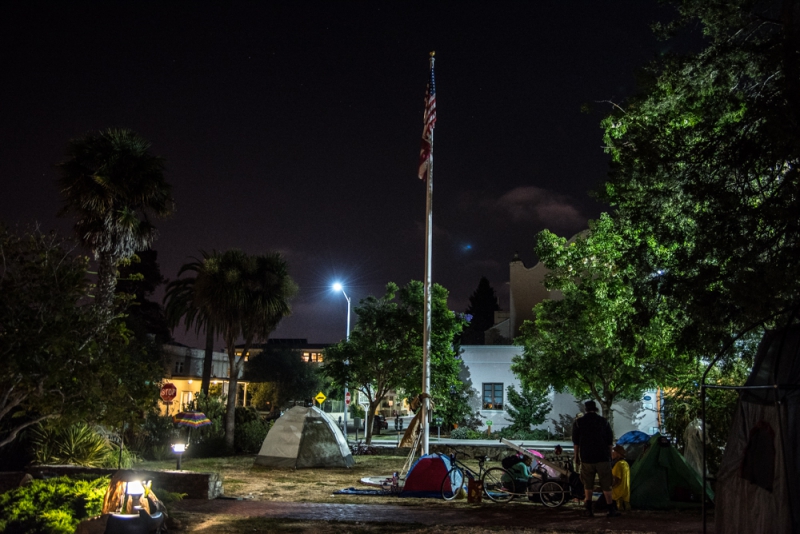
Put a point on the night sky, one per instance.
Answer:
(296, 126)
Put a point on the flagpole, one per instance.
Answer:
(426, 333)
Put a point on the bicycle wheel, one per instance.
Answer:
(498, 484)
(452, 483)
(552, 494)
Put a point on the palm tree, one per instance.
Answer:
(242, 296)
(180, 306)
(113, 185)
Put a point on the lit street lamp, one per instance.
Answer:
(338, 287)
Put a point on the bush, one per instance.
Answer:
(466, 433)
(539, 434)
(251, 429)
(155, 437)
(77, 444)
(53, 506)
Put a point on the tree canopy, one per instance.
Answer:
(705, 163)
(114, 186)
(61, 358)
(244, 296)
(385, 350)
(602, 340)
(482, 305)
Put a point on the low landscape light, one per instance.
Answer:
(179, 449)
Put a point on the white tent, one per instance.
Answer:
(305, 437)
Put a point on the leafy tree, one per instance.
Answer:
(180, 306)
(705, 163)
(244, 297)
(528, 407)
(139, 278)
(46, 334)
(379, 352)
(682, 402)
(61, 359)
(482, 305)
(285, 375)
(113, 185)
(449, 393)
(598, 342)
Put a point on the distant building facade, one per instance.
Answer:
(184, 369)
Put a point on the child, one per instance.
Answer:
(621, 488)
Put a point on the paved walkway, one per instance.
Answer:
(488, 515)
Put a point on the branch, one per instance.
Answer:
(13, 435)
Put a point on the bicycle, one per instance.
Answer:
(456, 481)
(359, 449)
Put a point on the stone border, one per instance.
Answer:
(194, 485)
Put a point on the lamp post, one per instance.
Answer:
(338, 287)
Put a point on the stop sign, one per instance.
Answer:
(347, 398)
(168, 392)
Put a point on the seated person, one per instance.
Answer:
(521, 474)
(621, 487)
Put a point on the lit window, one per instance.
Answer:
(493, 396)
(306, 356)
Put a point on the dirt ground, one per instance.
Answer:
(259, 499)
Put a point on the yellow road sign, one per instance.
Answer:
(320, 398)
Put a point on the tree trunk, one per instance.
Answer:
(106, 284)
(230, 405)
(208, 360)
(608, 413)
(373, 405)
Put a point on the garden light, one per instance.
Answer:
(179, 449)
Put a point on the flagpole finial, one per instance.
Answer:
(433, 53)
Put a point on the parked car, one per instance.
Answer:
(379, 422)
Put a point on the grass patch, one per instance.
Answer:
(243, 479)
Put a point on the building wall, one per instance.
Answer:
(491, 364)
(526, 291)
(185, 371)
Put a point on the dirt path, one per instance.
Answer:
(564, 519)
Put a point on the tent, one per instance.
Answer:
(634, 443)
(425, 477)
(661, 478)
(305, 437)
(757, 479)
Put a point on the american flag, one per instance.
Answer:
(429, 121)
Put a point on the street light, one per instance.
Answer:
(338, 287)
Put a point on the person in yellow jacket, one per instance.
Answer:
(621, 487)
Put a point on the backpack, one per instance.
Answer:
(510, 461)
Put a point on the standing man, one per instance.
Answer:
(592, 437)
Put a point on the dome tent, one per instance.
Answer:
(662, 479)
(305, 437)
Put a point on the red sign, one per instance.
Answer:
(347, 398)
(168, 392)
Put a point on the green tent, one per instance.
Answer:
(661, 478)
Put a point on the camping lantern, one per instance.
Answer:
(133, 489)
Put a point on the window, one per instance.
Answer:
(178, 368)
(306, 356)
(493, 396)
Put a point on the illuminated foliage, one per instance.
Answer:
(600, 341)
(705, 164)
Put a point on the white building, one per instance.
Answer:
(488, 368)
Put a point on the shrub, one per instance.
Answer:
(466, 433)
(77, 444)
(251, 429)
(155, 437)
(53, 506)
(539, 434)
